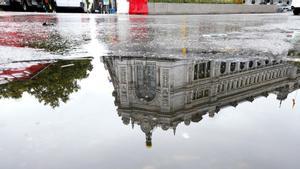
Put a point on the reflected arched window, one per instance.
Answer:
(199, 94)
(242, 65)
(267, 62)
(145, 81)
(258, 63)
(232, 66)
(250, 64)
(206, 93)
(195, 71)
(223, 67)
(194, 95)
(201, 71)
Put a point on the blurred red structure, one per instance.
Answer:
(21, 73)
(138, 7)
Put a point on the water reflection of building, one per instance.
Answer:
(163, 92)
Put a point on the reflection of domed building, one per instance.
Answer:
(163, 92)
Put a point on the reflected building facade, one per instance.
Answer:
(163, 92)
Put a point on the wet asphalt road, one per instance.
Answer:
(31, 36)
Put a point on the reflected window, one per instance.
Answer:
(201, 71)
(208, 69)
(242, 65)
(267, 62)
(206, 93)
(223, 67)
(250, 64)
(145, 81)
(232, 66)
(195, 71)
(198, 94)
(258, 63)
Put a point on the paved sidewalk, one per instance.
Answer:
(194, 9)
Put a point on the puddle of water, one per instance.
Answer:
(91, 112)
(221, 107)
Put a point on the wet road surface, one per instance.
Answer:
(150, 92)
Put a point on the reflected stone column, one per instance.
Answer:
(165, 90)
(227, 67)
(246, 66)
(255, 64)
(215, 69)
(237, 68)
(123, 90)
